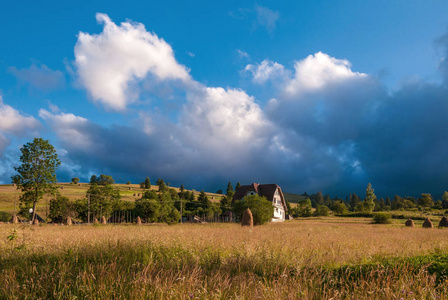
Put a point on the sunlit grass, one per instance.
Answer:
(318, 258)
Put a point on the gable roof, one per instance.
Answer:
(266, 190)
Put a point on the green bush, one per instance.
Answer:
(262, 209)
(5, 216)
(382, 218)
(321, 210)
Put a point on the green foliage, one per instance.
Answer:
(37, 173)
(5, 216)
(103, 201)
(319, 199)
(369, 200)
(230, 191)
(262, 209)
(321, 210)
(382, 218)
(339, 207)
(147, 183)
(219, 192)
(75, 180)
(425, 200)
(148, 209)
(128, 182)
(61, 208)
(93, 179)
(161, 184)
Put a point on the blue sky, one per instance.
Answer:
(312, 95)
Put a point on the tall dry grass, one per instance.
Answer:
(293, 260)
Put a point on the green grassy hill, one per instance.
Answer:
(9, 195)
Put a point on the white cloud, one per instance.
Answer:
(108, 63)
(69, 128)
(319, 70)
(225, 120)
(265, 71)
(11, 121)
(242, 54)
(266, 17)
(40, 77)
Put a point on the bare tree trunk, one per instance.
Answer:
(34, 212)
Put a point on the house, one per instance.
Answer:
(272, 192)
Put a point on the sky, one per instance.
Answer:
(311, 95)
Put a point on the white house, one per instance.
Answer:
(272, 192)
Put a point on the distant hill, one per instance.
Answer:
(293, 198)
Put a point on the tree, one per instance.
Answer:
(75, 180)
(61, 208)
(37, 174)
(161, 184)
(369, 202)
(354, 200)
(219, 192)
(230, 191)
(339, 207)
(238, 185)
(262, 209)
(105, 180)
(93, 179)
(319, 199)
(321, 210)
(147, 183)
(425, 200)
(128, 182)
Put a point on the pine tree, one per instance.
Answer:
(320, 198)
(230, 190)
(369, 201)
(147, 183)
(238, 185)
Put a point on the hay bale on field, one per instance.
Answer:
(15, 220)
(36, 221)
(95, 221)
(134, 194)
(138, 195)
(247, 219)
(427, 223)
(139, 221)
(443, 222)
(129, 187)
(69, 221)
(409, 223)
(103, 220)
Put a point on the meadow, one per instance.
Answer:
(316, 258)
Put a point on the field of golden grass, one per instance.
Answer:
(302, 259)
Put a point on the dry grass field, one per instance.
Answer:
(303, 259)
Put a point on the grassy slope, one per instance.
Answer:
(9, 193)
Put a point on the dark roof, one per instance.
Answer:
(266, 190)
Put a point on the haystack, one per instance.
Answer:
(36, 221)
(69, 221)
(427, 223)
(409, 223)
(247, 219)
(103, 220)
(443, 222)
(95, 221)
(139, 221)
(15, 220)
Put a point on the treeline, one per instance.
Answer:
(164, 204)
(370, 203)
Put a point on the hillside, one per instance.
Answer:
(9, 193)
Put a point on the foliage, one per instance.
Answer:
(339, 207)
(425, 200)
(229, 190)
(61, 208)
(381, 218)
(147, 183)
(5, 216)
(161, 184)
(128, 182)
(262, 209)
(103, 201)
(75, 180)
(321, 210)
(369, 201)
(37, 173)
(148, 209)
